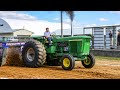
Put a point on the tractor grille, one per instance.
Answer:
(75, 46)
(80, 47)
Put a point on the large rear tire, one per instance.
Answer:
(33, 54)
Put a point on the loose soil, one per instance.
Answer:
(103, 69)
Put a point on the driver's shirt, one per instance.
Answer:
(47, 34)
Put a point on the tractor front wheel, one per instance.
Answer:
(68, 62)
(89, 62)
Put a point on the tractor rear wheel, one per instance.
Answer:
(33, 54)
(67, 62)
(89, 62)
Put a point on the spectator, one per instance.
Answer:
(110, 36)
(118, 39)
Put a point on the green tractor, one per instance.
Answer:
(64, 51)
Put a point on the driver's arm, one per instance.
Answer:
(45, 35)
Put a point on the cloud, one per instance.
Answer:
(16, 15)
(94, 25)
(57, 19)
(103, 19)
(90, 25)
(38, 26)
(117, 12)
(18, 20)
(66, 21)
(75, 23)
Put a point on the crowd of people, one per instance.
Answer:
(111, 38)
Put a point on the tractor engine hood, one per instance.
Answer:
(74, 38)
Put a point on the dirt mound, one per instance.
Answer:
(13, 57)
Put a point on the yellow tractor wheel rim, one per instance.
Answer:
(66, 62)
(87, 61)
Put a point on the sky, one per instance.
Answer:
(37, 21)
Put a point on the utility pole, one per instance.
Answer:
(61, 24)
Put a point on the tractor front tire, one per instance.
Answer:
(67, 62)
(89, 62)
(33, 54)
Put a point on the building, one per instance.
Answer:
(22, 33)
(5, 29)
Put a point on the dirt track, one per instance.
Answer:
(103, 69)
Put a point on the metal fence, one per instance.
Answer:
(100, 37)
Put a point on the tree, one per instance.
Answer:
(71, 15)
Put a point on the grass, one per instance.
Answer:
(108, 58)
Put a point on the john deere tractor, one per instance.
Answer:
(64, 51)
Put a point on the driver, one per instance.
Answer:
(47, 35)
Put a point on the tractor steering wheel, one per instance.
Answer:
(53, 35)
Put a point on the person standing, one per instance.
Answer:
(47, 35)
(118, 39)
(110, 36)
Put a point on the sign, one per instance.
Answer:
(12, 44)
